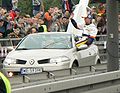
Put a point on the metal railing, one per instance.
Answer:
(9, 42)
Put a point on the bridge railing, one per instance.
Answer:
(5, 44)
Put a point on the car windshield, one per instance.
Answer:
(46, 41)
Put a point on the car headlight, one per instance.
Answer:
(9, 61)
(59, 59)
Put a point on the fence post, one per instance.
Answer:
(112, 35)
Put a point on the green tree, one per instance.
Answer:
(51, 3)
(25, 6)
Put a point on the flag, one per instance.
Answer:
(79, 12)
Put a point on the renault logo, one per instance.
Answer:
(32, 61)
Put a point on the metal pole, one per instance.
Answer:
(112, 36)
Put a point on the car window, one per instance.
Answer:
(50, 41)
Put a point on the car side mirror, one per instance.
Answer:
(81, 47)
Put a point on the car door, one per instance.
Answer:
(87, 57)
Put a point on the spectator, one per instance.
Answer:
(3, 11)
(15, 33)
(67, 6)
(28, 22)
(14, 4)
(56, 25)
(56, 15)
(94, 14)
(48, 18)
(60, 25)
(101, 9)
(38, 6)
(38, 15)
(35, 22)
(65, 23)
(21, 27)
(42, 27)
(32, 30)
(14, 13)
(67, 14)
(101, 25)
(10, 23)
(2, 28)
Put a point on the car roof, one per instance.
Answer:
(51, 33)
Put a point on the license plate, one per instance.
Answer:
(30, 70)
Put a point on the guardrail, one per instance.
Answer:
(4, 44)
(97, 83)
(9, 42)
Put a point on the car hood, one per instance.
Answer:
(37, 54)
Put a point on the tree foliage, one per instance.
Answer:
(25, 6)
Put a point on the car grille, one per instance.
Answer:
(44, 61)
(18, 61)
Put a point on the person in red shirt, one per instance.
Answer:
(14, 13)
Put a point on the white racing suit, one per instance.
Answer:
(89, 34)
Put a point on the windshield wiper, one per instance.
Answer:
(22, 49)
(45, 47)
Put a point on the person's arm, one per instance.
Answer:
(42, 7)
(74, 23)
(1, 35)
(47, 16)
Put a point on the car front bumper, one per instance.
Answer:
(46, 67)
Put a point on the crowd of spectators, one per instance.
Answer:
(15, 25)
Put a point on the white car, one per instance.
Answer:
(49, 51)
